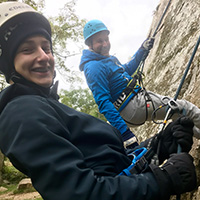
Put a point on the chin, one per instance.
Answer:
(106, 55)
(45, 85)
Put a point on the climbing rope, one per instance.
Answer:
(141, 65)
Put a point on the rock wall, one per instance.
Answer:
(167, 61)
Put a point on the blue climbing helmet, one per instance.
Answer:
(92, 27)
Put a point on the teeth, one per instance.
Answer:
(40, 70)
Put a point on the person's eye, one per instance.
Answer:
(26, 50)
(47, 49)
(100, 42)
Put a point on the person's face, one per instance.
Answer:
(35, 62)
(100, 43)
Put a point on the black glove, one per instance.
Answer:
(148, 44)
(177, 132)
(130, 140)
(177, 175)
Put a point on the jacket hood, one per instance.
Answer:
(89, 55)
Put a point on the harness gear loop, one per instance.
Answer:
(149, 108)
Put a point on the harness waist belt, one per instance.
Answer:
(128, 93)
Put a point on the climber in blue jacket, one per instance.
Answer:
(122, 101)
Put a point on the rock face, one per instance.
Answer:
(167, 61)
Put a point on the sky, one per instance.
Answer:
(128, 21)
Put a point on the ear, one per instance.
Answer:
(89, 42)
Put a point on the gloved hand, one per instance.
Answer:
(177, 132)
(148, 44)
(177, 175)
(130, 140)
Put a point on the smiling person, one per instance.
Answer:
(119, 97)
(34, 60)
(67, 154)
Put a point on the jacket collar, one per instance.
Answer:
(22, 87)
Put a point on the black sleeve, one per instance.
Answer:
(38, 144)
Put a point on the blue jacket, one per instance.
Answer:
(67, 154)
(107, 78)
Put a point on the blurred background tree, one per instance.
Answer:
(81, 100)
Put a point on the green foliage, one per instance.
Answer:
(10, 187)
(38, 4)
(11, 174)
(1, 1)
(81, 100)
(66, 28)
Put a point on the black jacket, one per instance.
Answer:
(67, 154)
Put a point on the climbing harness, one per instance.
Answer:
(170, 103)
(130, 91)
(140, 161)
(138, 77)
(149, 108)
(136, 84)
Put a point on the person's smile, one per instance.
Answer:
(35, 62)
